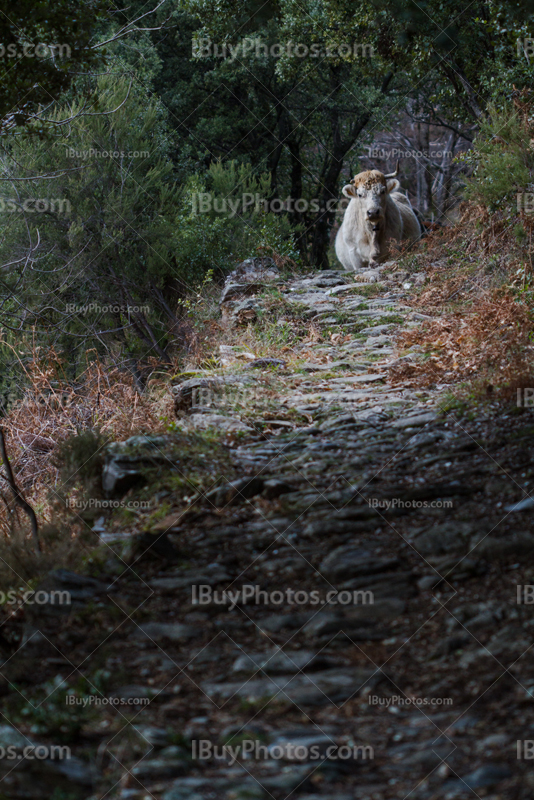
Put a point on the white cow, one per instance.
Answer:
(376, 215)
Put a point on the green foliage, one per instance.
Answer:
(80, 458)
(118, 235)
(503, 160)
(43, 45)
(223, 221)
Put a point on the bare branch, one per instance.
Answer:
(126, 29)
(45, 177)
(19, 500)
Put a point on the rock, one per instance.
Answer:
(498, 740)
(135, 691)
(153, 769)
(425, 756)
(493, 549)
(125, 462)
(237, 291)
(264, 363)
(235, 492)
(146, 546)
(430, 582)
(219, 422)
(486, 776)
(160, 631)
(280, 662)
(450, 644)
(285, 744)
(377, 331)
(196, 392)
(157, 737)
(365, 378)
(74, 770)
(415, 421)
(234, 354)
(360, 622)
(370, 275)
(172, 583)
(279, 622)
(260, 268)
(330, 796)
(523, 505)
(349, 561)
(240, 313)
(274, 488)
(446, 537)
(288, 780)
(190, 788)
(249, 790)
(319, 689)
(119, 475)
(386, 584)
(66, 588)
(10, 737)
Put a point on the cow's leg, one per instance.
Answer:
(356, 261)
(343, 251)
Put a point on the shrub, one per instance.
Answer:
(503, 160)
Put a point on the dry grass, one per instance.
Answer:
(491, 344)
(104, 399)
(478, 289)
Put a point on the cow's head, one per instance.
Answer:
(370, 189)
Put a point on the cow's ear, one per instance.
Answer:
(349, 190)
(393, 185)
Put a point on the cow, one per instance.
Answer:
(377, 214)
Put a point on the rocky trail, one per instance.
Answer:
(344, 614)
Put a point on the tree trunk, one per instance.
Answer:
(332, 166)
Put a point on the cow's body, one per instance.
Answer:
(376, 215)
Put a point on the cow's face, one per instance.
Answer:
(370, 189)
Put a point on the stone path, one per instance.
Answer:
(342, 620)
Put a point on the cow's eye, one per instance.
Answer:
(361, 193)
(382, 189)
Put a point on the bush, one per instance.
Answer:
(118, 241)
(503, 160)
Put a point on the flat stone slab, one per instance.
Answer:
(161, 631)
(319, 689)
(415, 421)
(281, 662)
(227, 424)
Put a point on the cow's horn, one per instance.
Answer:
(393, 174)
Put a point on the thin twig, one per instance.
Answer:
(20, 501)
